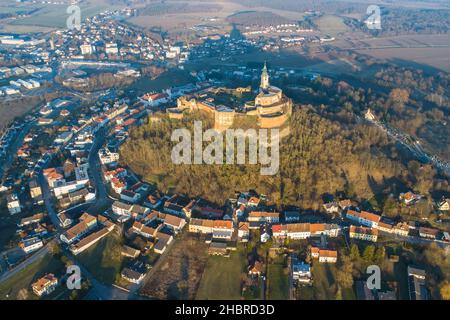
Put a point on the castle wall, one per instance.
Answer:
(272, 122)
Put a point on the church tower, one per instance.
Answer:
(264, 78)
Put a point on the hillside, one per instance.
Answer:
(320, 156)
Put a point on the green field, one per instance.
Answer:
(55, 16)
(331, 25)
(221, 278)
(324, 286)
(104, 260)
(277, 283)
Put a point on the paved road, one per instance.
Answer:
(99, 290)
(416, 240)
(41, 253)
(11, 153)
(414, 147)
(95, 172)
(47, 196)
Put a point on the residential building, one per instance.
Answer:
(409, 198)
(35, 191)
(86, 224)
(331, 207)
(130, 252)
(262, 216)
(428, 233)
(130, 196)
(31, 244)
(30, 220)
(13, 203)
(365, 218)
(173, 222)
(222, 228)
(304, 230)
(256, 268)
(444, 205)
(111, 48)
(45, 285)
(121, 208)
(416, 284)
(143, 230)
(363, 233)
(243, 231)
(108, 157)
(162, 241)
(178, 205)
(88, 241)
(217, 248)
(346, 203)
(138, 212)
(64, 220)
(53, 176)
(132, 275)
(327, 256)
(86, 49)
(301, 271)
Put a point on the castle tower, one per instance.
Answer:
(264, 78)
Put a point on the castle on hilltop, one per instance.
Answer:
(270, 106)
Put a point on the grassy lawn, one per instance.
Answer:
(277, 283)
(305, 293)
(323, 281)
(221, 278)
(104, 260)
(19, 285)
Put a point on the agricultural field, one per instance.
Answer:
(331, 25)
(411, 50)
(438, 58)
(55, 15)
(224, 273)
(177, 273)
(190, 14)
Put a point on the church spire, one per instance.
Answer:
(264, 77)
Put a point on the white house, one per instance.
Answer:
(301, 271)
(31, 244)
(365, 218)
(122, 209)
(13, 203)
(45, 285)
